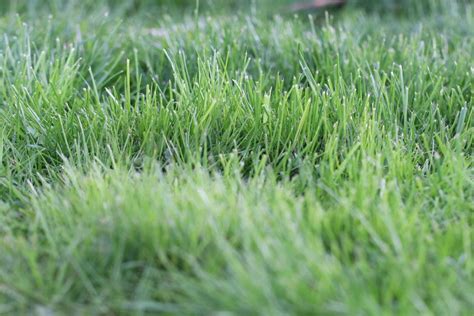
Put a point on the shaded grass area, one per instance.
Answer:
(244, 163)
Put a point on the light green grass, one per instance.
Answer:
(236, 159)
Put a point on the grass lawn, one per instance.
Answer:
(232, 158)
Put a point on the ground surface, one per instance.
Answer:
(236, 159)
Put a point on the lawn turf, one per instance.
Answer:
(232, 158)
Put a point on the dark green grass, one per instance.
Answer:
(236, 159)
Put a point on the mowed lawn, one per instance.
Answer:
(234, 158)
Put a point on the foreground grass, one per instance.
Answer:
(248, 165)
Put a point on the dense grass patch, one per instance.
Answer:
(252, 162)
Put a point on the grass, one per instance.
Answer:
(236, 159)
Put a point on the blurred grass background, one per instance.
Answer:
(152, 7)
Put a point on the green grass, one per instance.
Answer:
(236, 159)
